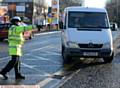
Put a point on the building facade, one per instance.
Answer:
(24, 8)
(66, 3)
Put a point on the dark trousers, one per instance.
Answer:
(39, 27)
(13, 63)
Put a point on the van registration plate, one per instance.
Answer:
(90, 54)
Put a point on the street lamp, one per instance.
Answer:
(117, 4)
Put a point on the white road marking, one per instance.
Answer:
(56, 65)
(33, 44)
(30, 75)
(48, 33)
(55, 84)
(40, 48)
(56, 47)
(3, 58)
(19, 86)
(44, 82)
(42, 58)
(31, 67)
(47, 80)
(52, 53)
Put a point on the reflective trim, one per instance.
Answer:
(12, 27)
(14, 36)
(12, 46)
(15, 46)
(15, 40)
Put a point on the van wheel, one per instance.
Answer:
(66, 59)
(108, 59)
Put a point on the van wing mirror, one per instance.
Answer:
(114, 26)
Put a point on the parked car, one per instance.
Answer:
(4, 31)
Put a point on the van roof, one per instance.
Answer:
(85, 9)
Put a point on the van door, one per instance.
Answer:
(64, 33)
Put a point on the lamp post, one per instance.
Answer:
(117, 4)
(12, 8)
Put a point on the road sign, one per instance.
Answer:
(55, 11)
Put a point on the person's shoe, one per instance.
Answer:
(20, 77)
(4, 75)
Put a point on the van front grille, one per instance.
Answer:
(90, 45)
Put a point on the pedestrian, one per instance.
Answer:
(40, 24)
(16, 40)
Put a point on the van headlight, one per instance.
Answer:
(72, 45)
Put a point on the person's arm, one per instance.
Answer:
(23, 28)
(27, 28)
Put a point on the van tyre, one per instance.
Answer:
(108, 59)
(66, 59)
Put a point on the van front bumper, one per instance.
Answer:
(74, 52)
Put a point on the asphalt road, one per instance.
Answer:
(42, 65)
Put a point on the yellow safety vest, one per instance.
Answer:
(16, 39)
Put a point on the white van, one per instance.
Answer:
(86, 33)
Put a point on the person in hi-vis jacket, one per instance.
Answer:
(16, 41)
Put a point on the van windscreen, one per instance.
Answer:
(87, 20)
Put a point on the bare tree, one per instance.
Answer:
(113, 11)
(66, 3)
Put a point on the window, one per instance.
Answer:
(87, 20)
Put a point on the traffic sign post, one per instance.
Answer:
(55, 13)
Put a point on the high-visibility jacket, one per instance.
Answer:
(16, 39)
